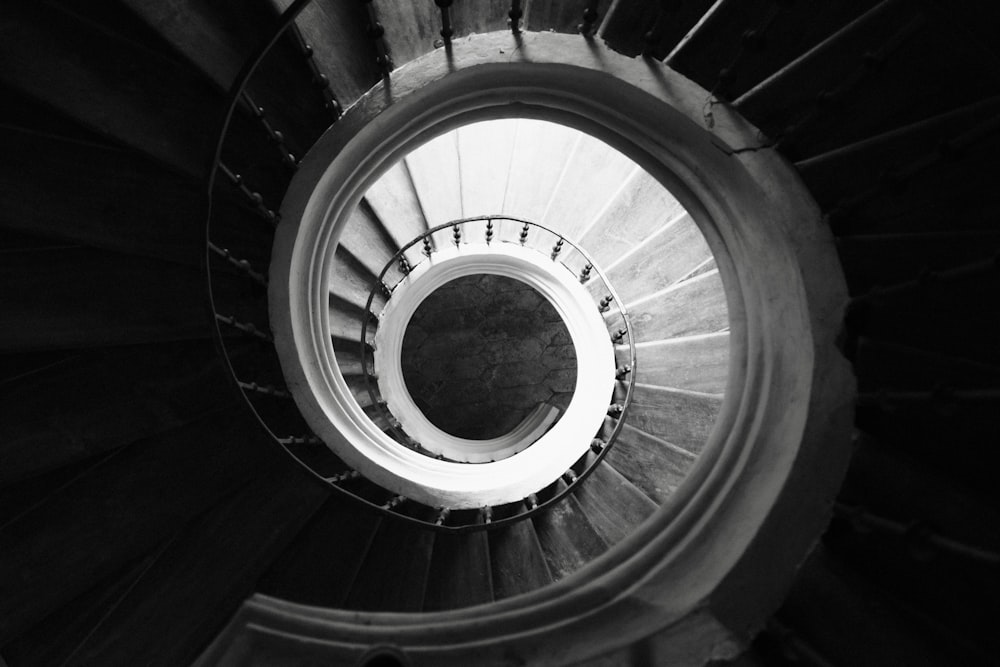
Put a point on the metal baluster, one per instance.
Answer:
(404, 265)
(616, 410)
(556, 249)
(531, 500)
(241, 264)
(267, 390)
(393, 502)
(515, 14)
(377, 33)
(524, 233)
(343, 476)
(622, 372)
(245, 327)
(300, 440)
(255, 198)
(442, 516)
(589, 18)
(489, 231)
(428, 249)
(487, 514)
(446, 29)
(605, 304)
(456, 235)
(619, 335)
(585, 273)
(276, 137)
(320, 80)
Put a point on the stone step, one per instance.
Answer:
(668, 254)
(695, 363)
(338, 34)
(397, 208)
(652, 464)
(460, 574)
(613, 505)
(351, 281)
(684, 418)
(640, 208)
(692, 307)
(567, 537)
(517, 560)
(781, 34)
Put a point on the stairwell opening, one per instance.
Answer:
(482, 352)
(713, 555)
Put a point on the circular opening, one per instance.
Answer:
(711, 561)
(483, 351)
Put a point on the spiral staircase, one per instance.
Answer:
(149, 507)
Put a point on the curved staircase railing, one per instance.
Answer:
(243, 335)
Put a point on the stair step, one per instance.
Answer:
(215, 559)
(595, 173)
(359, 389)
(351, 281)
(19, 497)
(54, 640)
(639, 209)
(394, 574)
(848, 620)
(884, 365)
(189, 27)
(942, 316)
(485, 151)
(695, 363)
(111, 85)
(949, 195)
(338, 35)
(480, 17)
(517, 560)
(910, 82)
(893, 483)
(346, 321)
(567, 537)
(885, 259)
(99, 206)
(840, 173)
(436, 173)
(410, 28)
(460, 572)
(368, 243)
(79, 297)
(782, 33)
(628, 23)
(529, 188)
(695, 306)
(320, 565)
(662, 258)
(652, 464)
(119, 510)
(395, 203)
(613, 505)
(102, 400)
(559, 16)
(684, 418)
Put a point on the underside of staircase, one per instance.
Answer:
(147, 493)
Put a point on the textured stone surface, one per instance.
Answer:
(482, 352)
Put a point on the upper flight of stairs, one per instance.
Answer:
(140, 501)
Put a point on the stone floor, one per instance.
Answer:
(482, 351)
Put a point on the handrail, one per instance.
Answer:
(618, 411)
